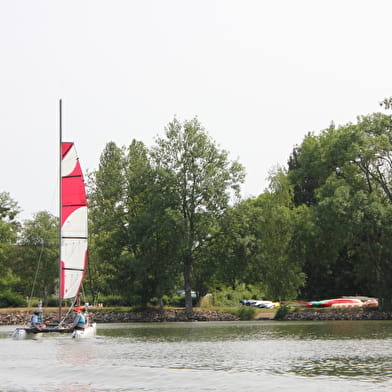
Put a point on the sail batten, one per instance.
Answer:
(74, 231)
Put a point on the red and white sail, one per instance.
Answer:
(73, 221)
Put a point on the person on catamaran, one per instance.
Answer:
(35, 321)
(40, 317)
(86, 316)
(78, 322)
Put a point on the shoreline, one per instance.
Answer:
(334, 314)
(16, 317)
(21, 317)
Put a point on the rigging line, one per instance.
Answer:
(36, 272)
(61, 322)
(83, 293)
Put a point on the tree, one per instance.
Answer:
(149, 262)
(106, 196)
(134, 230)
(37, 260)
(350, 171)
(9, 228)
(325, 233)
(253, 242)
(373, 152)
(231, 255)
(361, 153)
(201, 176)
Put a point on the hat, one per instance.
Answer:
(78, 308)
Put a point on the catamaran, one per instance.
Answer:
(73, 240)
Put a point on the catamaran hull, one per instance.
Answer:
(34, 334)
(23, 333)
(88, 332)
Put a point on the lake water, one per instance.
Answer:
(213, 356)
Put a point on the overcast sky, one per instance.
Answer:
(258, 74)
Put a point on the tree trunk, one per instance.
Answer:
(160, 304)
(188, 285)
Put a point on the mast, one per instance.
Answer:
(60, 193)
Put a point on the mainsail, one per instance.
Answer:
(73, 221)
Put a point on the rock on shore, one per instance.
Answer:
(359, 313)
(170, 315)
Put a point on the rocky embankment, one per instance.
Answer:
(101, 316)
(14, 317)
(338, 314)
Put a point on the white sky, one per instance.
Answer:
(258, 74)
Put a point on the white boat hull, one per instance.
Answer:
(21, 334)
(88, 332)
(26, 333)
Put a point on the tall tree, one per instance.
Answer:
(134, 232)
(37, 261)
(9, 228)
(202, 177)
(282, 275)
(350, 167)
(150, 255)
(373, 152)
(106, 196)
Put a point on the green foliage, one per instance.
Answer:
(9, 299)
(246, 313)
(202, 177)
(51, 302)
(114, 300)
(160, 219)
(231, 253)
(107, 195)
(343, 176)
(281, 313)
(134, 230)
(35, 262)
(9, 228)
(179, 301)
(227, 296)
(282, 276)
(9, 209)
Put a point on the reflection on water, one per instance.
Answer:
(225, 356)
(245, 331)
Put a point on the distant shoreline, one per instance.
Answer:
(333, 314)
(13, 316)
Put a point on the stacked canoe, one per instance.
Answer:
(342, 303)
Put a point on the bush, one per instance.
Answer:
(52, 302)
(226, 296)
(246, 313)
(155, 301)
(179, 301)
(11, 300)
(283, 310)
(114, 300)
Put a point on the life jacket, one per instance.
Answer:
(81, 321)
(78, 321)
